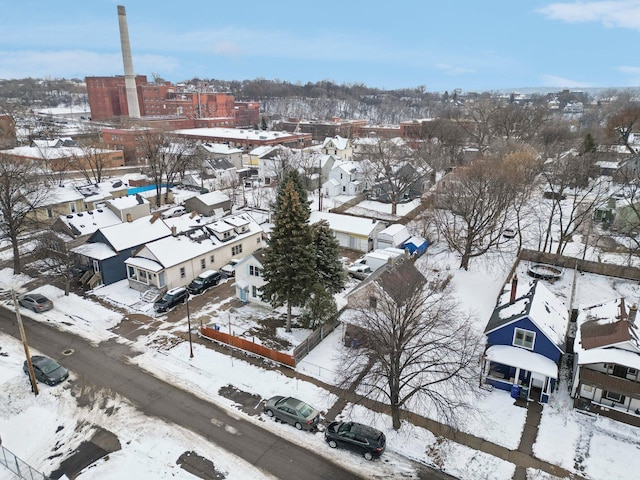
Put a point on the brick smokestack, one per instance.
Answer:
(129, 75)
(514, 288)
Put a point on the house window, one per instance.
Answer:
(373, 302)
(524, 338)
(211, 259)
(182, 272)
(203, 263)
(615, 397)
(236, 250)
(587, 388)
(72, 207)
(49, 213)
(258, 240)
(254, 291)
(632, 372)
(132, 272)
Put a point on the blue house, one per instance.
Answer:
(107, 248)
(416, 245)
(525, 340)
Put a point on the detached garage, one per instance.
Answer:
(356, 233)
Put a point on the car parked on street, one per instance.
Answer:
(291, 410)
(170, 299)
(36, 302)
(229, 270)
(362, 439)
(46, 370)
(209, 278)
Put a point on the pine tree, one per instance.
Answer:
(292, 175)
(289, 257)
(328, 266)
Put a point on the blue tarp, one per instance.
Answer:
(145, 188)
(416, 245)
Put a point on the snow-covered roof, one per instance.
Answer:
(128, 201)
(235, 133)
(85, 223)
(396, 231)
(138, 232)
(417, 241)
(62, 194)
(144, 263)
(220, 148)
(96, 251)
(605, 334)
(340, 142)
(345, 223)
(213, 198)
(54, 153)
(542, 307)
(521, 358)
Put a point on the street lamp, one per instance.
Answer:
(189, 323)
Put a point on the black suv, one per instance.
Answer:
(170, 299)
(207, 279)
(365, 440)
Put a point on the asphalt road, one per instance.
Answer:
(106, 366)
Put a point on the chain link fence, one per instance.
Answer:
(19, 467)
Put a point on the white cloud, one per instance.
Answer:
(453, 70)
(611, 13)
(561, 82)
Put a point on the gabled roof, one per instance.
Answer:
(345, 223)
(339, 142)
(131, 234)
(213, 198)
(542, 308)
(85, 223)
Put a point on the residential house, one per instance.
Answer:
(249, 279)
(356, 233)
(606, 365)
(175, 260)
(345, 178)
(526, 336)
(338, 146)
(209, 204)
(60, 200)
(105, 251)
(214, 153)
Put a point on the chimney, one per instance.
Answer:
(129, 218)
(633, 310)
(129, 75)
(174, 231)
(514, 288)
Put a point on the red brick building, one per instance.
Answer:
(108, 99)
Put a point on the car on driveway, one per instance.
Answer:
(362, 439)
(173, 212)
(291, 410)
(170, 299)
(36, 302)
(209, 278)
(47, 370)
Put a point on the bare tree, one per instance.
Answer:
(22, 191)
(620, 126)
(415, 347)
(397, 169)
(93, 162)
(54, 256)
(575, 189)
(472, 207)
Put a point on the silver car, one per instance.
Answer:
(291, 410)
(36, 302)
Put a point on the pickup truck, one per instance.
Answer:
(359, 271)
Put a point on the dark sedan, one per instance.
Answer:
(362, 439)
(47, 370)
(36, 302)
(291, 410)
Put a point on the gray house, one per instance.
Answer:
(209, 204)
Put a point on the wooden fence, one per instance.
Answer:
(249, 346)
(313, 340)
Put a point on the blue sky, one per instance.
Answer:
(474, 45)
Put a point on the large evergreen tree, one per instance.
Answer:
(328, 266)
(289, 258)
(292, 175)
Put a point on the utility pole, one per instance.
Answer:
(32, 375)
(189, 326)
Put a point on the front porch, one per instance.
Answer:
(525, 374)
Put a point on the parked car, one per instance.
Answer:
(173, 212)
(359, 271)
(229, 270)
(36, 302)
(365, 440)
(291, 410)
(47, 370)
(508, 233)
(207, 279)
(170, 299)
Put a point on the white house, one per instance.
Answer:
(176, 260)
(345, 178)
(339, 146)
(356, 233)
(249, 280)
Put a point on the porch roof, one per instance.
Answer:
(521, 358)
(144, 263)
